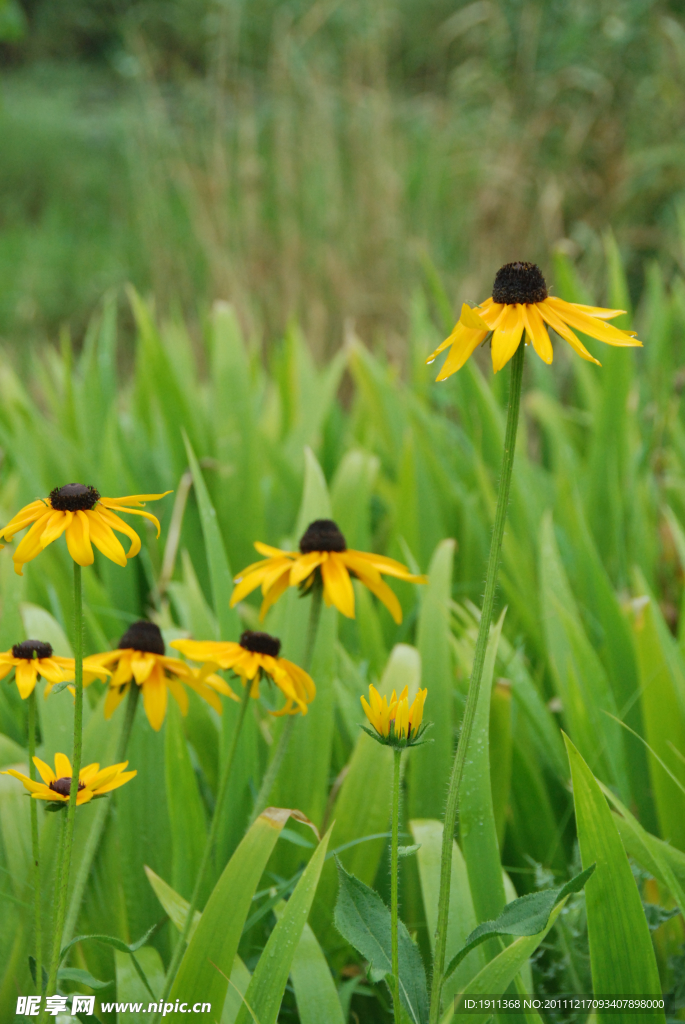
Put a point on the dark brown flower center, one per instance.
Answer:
(74, 498)
(322, 535)
(519, 282)
(143, 636)
(260, 643)
(31, 649)
(63, 785)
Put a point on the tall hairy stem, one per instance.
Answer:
(394, 880)
(63, 876)
(476, 676)
(35, 849)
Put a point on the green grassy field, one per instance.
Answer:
(301, 198)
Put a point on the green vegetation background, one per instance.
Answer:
(304, 159)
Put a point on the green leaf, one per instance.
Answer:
(315, 991)
(461, 918)
(527, 915)
(433, 761)
(663, 714)
(219, 569)
(265, 991)
(130, 989)
(621, 951)
(117, 944)
(215, 942)
(496, 977)
(82, 978)
(363, 919)
(186, 811)
(174, 904)
(476, 812)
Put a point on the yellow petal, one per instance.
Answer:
(245, 584)
(388, 566)
(464, 345)
(133, 499)
(30, 545)
(142, 665)
(26, 674)
(507, 336)
(556, 323)
(62, 766)
(132, 512)
(45, 771)
(115, 523)
(470, 318)
(179, 694)
(305, 565)
(155, 700)
(28, 514)
(124, 671)
(592, 326)
(102, 536)
(55, 527)
(119, 780)
(115, 695)
(377, 587)
(269, 552)
(538, 334)
(50, 670)
(78, 540)
(276, 590)
(338, 585)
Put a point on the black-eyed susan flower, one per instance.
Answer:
(396, 722)
(254, 657)
(520, 302)
(56, 786)
(323, 555)
(140, 659)
(33, 658)
(84, 518)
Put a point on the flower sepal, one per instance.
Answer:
(397, 742)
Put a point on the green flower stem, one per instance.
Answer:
(100, 819)
(208, 852)
(476, 675)
(63, 877)
(286, 732)
(397, 754)
(35, 849)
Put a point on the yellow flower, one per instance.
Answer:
(84, 517)
(256, 655)
(379, 712)
(92, 782)
(395, 721)
(33, 658)
(140, 657)
(322, 551)
(520, 302)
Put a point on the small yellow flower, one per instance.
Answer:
(379, 712)
(395, 721)
(140, 658)
(92, 782)
(33, 658)
(256, 655)
(520, 302)
(84, 517)
(323, 551)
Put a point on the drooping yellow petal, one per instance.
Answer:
(245, 584)
(305, 565)
(55, 527)
(6, 664)
(470, 318)
(269, 552)
(124, 670)
(78, 540)
(142, 665)
(115, 523)
(464, 343)
(115, 695)
(133, 512)
(30, 545)
(507, 336)
(155, 700)
(389, 567)
(365, 571)
(26, 674)
(590, 325)
(337, 584)
(133, 499)
(102, 536)
(556, 323)
(179, 694)
(50, 670)
(28, 514)
(277, 590)
(538, 334)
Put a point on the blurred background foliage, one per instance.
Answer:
(308, 159)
